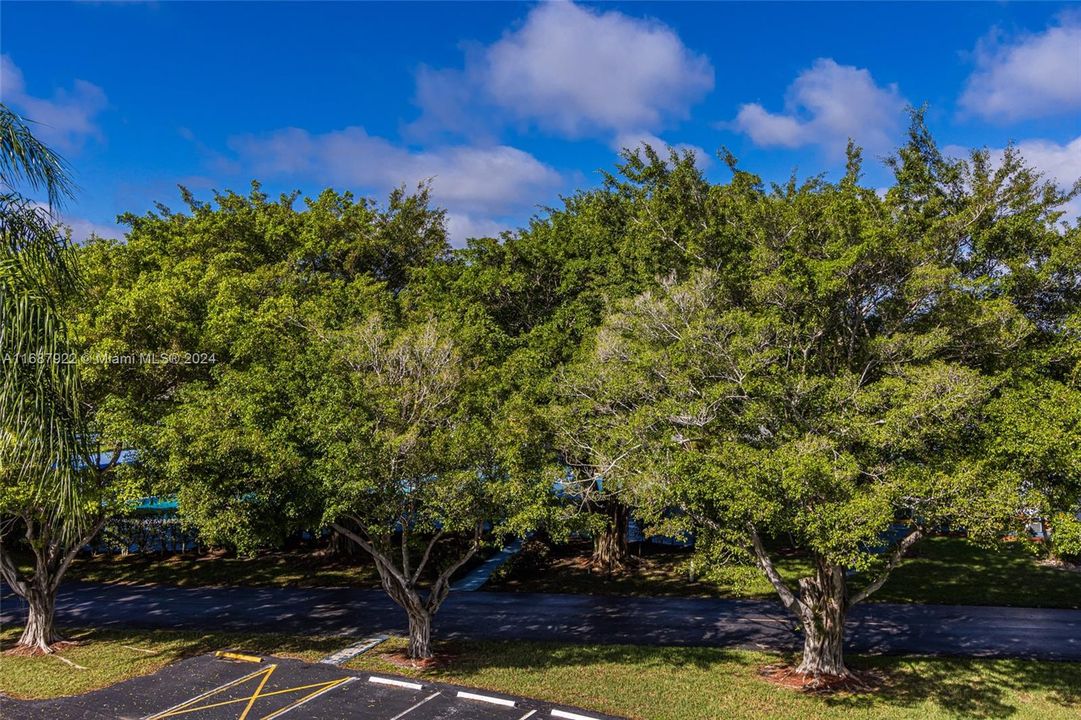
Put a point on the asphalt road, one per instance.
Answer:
(873, 627)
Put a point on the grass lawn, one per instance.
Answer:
(657, 570)
(286, 568)
(697, 683)
(631, 681)
(940, 570)
(299, 568)
(108, 656)
(954, 571)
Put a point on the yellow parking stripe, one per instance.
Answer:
(258, 690)
(306, 698)
(190, 707)
(221, 688)
(261, 695)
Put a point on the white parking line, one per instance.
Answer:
(570, 715)
(485, 698)
(528, 714)
(397, 683)
(406, 712)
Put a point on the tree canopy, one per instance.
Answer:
(815, 360)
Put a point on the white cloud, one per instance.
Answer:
(633, 141)
(461, 227)
(826, 105)
(475, 183)
(1058, 162)
(572, 71)
(493, 179)
(1061, 163)
(82, 229)
(1036, 75)
(64, 121)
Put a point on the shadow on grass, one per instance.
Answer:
(954, 571)
(961, 688)
(103, 657)
(969, 688)
(268, 569)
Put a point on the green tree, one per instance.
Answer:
(320, 405)
(836, 379)
(539, 292)
(201, 362)
(407, 460)
(1032, 434)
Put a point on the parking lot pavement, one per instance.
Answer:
(212, 688)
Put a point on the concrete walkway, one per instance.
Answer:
(479, 575)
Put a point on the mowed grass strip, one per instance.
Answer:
(952, 571)
(308, 568)
(106, 657)
(697, 683)
(303, 568)
(939, 570)
(631, 681)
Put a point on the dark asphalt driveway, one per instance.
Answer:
(873, 627)
(207, 688)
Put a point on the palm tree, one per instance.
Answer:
(41, 428)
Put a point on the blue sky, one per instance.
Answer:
(506, 105)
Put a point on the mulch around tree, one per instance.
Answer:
(785, 675)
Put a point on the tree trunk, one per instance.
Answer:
(420, 634)
(610, 544)
(51, 560)
(400, 583)
(824, 606)
(39, 633)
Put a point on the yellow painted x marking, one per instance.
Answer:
(191, 706)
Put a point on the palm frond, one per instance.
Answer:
(26, 160)
(40, 416)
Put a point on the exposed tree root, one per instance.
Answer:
(402, 659)
(75, 665)
(602, 567)
(38, 650)
(821, 684)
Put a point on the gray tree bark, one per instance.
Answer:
(401, 583)
(824, 602)
(822, 605)
(52, 557)
(39, 634)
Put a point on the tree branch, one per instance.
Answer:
(441, 587)
(369, 548)
(427, 554)
(10, 572)
(895, 557)
(58, 573)
(762, 559)
(404, 520)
